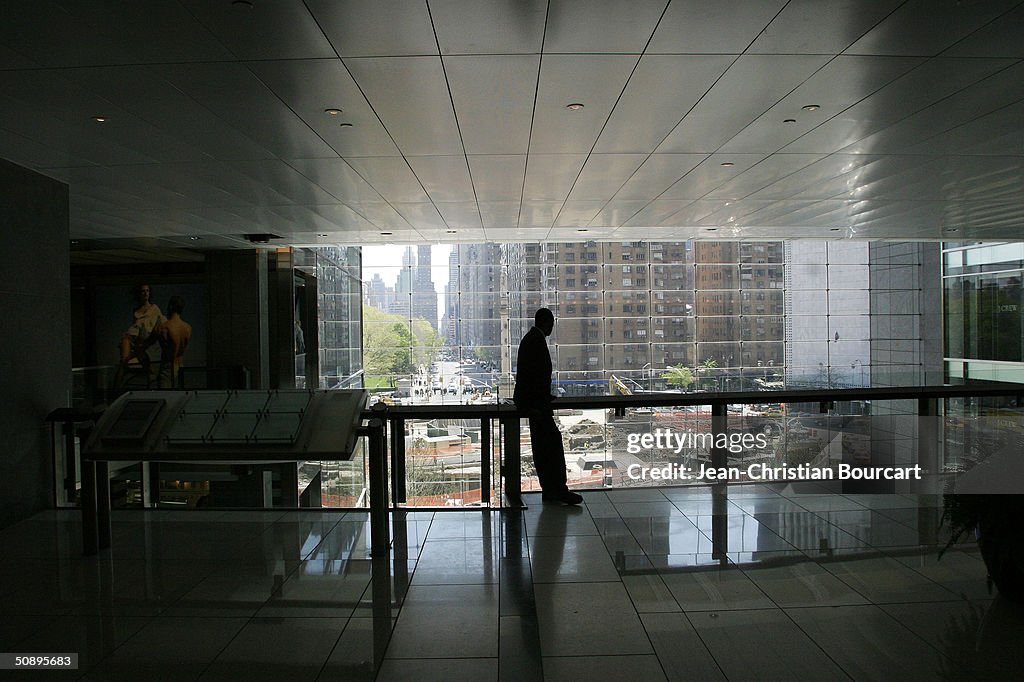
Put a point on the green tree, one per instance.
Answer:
(394, 346)
(678, 377)
(705, 369)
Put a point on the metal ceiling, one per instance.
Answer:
(460, 131)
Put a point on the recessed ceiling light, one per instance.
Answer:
(583, 229)
(321, 234)
(449, 231)
(345, 125)
(833, 229)
(712, 229)
(332, 111)
(789, 120)
(100, 119)
(575, 106)
(386, 234)
(951, 229)
(243, 4)
(194, 238)
(728, 163)
(74, 242)
(811, 107)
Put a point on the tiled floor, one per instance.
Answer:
(763, 583)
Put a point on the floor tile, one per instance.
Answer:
(447, 621)
(325, 589)
(957, 571)
(459, 561)
(884, 580)
(558, 521)
(790, 582)
(571, 559)
(519, 649)
(868, 644)
(762, 645)
(277, 649)
(426, 669)
(588, 619)
(713, 588)
(681, 652)
(645, 587)
(359, 652)
(978, 640)
(447, 525)
(169, 648)
(611, 668)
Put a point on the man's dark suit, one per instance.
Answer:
(533, 396)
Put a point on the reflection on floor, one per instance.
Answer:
(766, 583)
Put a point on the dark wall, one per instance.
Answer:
(35, 348)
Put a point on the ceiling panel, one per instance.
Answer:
(577, 213)
(921, 87)
(551, 176)
(998, 38)
(421, 215)
(498, 177)
(141, 92)
(539, 213)
(604, 174)
(310, 87)
(842, 83)
(712, 26)
(489, 26)
(410, 96)
(461, 215)
(821, 26)
(499, 214)
(216, 121)
(235, 94)
(594, 81)
(336, 177)
(50, 35)
(762, 174)
(656, 211)
(999, 90)
(601, 25)
(391, 177)
(615, 213)
(376, 28)
(493, 98)
(710, 174)
(660, 92)
(993, 134)
(283, 29)
(445, 178)
(658, 173)
(927, 27)
(751, 86)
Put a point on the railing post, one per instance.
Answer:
(90, 539)
(511, 469)
(719, 425)
(379, 530)
(103, 503)
(398, 460)
(929, 425)
(485, 461)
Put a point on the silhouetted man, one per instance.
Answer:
(533, 397)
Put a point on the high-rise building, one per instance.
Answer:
(424, 295)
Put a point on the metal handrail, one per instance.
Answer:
(509, 415)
